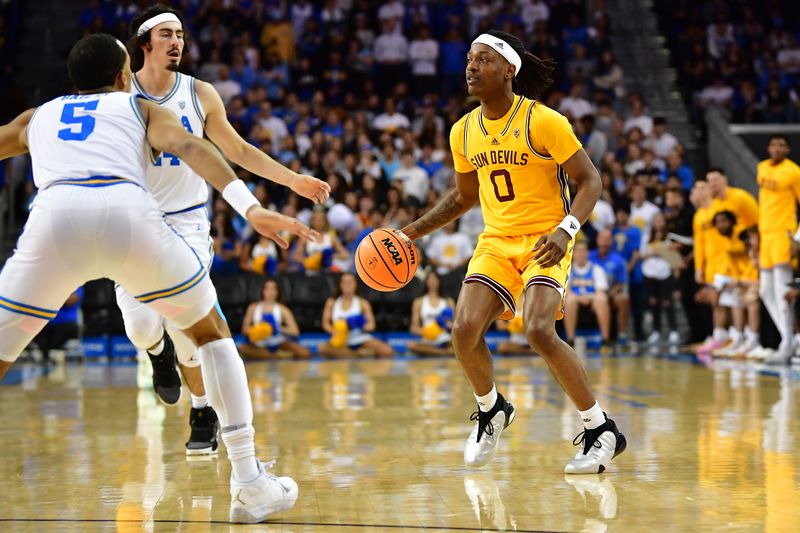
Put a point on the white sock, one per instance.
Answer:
(593, 417)
(720, 334)
(487, 401)
(735, 335)
(241, 452)
(199, 402)
(226, 386)
(752, 336)
(785, 324)
(158, 349)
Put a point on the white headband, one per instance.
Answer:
(151, 23)
(502, 48)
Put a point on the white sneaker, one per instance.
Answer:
(654, 338)
(759, 353)
(485, 436)
(674, 337)
(253, 501)
(597, 447)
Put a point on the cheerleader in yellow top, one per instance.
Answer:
(515, 155)
(778, 193)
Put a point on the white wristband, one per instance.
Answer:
(797, 235)
(239, 197)
(571, 225)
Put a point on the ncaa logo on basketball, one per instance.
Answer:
(389, 245)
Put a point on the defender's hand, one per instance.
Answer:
(269, 223)
(310, 187)
(699, 278)
(551, 249)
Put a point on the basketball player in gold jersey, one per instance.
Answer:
(778, 193)
(515, 155)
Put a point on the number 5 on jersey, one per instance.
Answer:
(85, 123)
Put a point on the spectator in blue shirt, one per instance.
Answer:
(627, 242)
(616, 269)
(62, 328)
(676, 167)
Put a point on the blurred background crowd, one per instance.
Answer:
(362, 94)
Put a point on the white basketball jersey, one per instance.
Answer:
(94, 138)
(176, 187)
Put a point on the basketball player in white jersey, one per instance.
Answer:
(156, 48)
(94, 217)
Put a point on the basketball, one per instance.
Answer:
(386, 260)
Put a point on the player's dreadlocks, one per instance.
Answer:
(534, 75)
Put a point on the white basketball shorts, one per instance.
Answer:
(78, 233)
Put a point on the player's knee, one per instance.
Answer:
(541, 334)
(466, 332)
(144, 331)
(209, 329)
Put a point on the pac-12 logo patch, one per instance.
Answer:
(181, 104)
(516, 133)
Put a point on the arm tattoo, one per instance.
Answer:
(444, 212)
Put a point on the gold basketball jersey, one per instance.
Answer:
(523, 189)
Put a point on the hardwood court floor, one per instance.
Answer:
(377, 446)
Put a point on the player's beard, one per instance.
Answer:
(173, 66)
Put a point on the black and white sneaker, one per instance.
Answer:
(482, 441)
(166, 381)
(205, 426)
(597, 447)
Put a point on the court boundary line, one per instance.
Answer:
(268, 523)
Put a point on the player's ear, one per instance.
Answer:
(122, 81)
(510, 72)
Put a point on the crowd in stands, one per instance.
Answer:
(362, 94)
(738, 55)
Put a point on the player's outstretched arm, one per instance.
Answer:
(13, 136)
(247, 156)
(551, 249)
(166, 134)
(453, 205)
